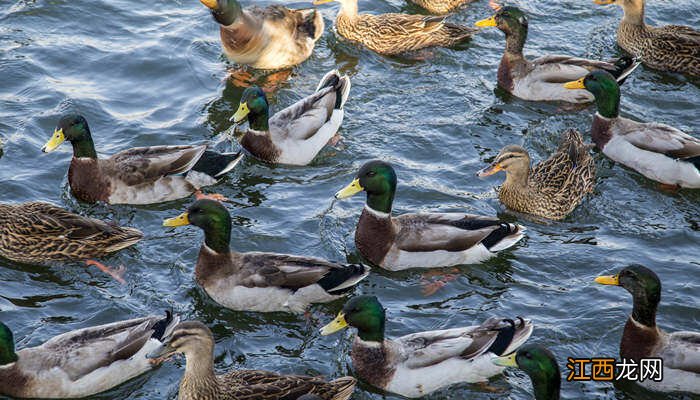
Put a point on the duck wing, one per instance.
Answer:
(148, 164)
(447, 231)
(661, 138)
(296, 272)
(304, 118)
(80, 352)
(264, 385)
(682, 351)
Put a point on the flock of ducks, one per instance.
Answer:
(95, 359)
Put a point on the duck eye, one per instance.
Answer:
(371, 173)
(528, 356)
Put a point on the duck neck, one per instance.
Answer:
(84, 147)
(348, 9)
(373, 335)
(515, 42)
(608, 103)
(644, 309)
(199, 373)
(518, 178)
(258, 120)
(547, 389)
(228, 13)
(634, 12)
(381, 202)
(217, 236)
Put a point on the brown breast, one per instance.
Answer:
(261, 146)
(638, 341)
(374, 236)
(371, 363)
(86, 180)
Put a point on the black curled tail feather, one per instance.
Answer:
(215, 164)
(160, 327)
(337, 277)
(503, 231)
(695, 161)
(505, 336)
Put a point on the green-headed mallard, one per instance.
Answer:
(553, 187)
(541, 78)
(418, 364)
(440, 6)
(641, 337)
(141, 175)
(674, 48)
(273, 37)
(296, 134)
(260, 281)
(37, 233)
(657, 151)
(83, 362)
(540, 365)
(392, 34)
(195, 341)
(425, 240)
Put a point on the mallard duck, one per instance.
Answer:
(541, 78)
(674, 48)
(657, 151)
(418, 364)
(425, 240)
(260, 281)
(296, 134)
(554, 187)
(273, 37)
(82, 362)
(641, 337)
(141, 175)
(392, 34)
(540, 365)
(37, 233)
(440, 6)
(195, 341)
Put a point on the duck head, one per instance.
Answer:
(212, 217)
(253, 107)
(225, 12)
(513, 22)
(7, 346)
(365, 313)
(645, 287)
(540, 365)
(605, 89)
(513, 160)
(376, 178)
(73, 128)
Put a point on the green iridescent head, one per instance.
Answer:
(605, 89)
(73, 128)
(540, 365)
(645, 287)
(225, 12)
(376, 178)
(212, 217)
(365, 313)
(513, 22)
(254, 107)
(7, 345)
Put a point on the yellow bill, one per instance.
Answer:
(211, 4)
(319, 2)
(486, 22)
(603, 2)
(181, 220)
(336, 325)
(506, 361)
(350, 190)
(490, 170)
(608, 280)
(241, 114)
(575, 84)
(56, 139)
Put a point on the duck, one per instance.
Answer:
(553, 188)
(424, 240)
(38, 232)
(82, 362)
(195, 341)
(140, 175)
(642, 338)
(440, 7)
(540, 79)
(394, 34)
(269, 38)
(658, 151)
(540, 364)
(295, 135)
(257, 281)
(420, 363)
(672, 48)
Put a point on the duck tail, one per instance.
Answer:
(126, 237)
(571, 143)
(623, 67)
(163, 328)
(339, 280)
(511, 335)
(340, 83)
(343, 387)
(311, 23)
(505, 236)
(216, 164)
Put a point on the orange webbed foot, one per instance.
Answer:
(117, 274)
(212, 196)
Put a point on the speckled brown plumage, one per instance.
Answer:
(40, 232)
(440, 6)
(674, 48)
(552, 188)
(397, 33)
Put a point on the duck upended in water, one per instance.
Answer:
(83, 362)
(296, 134)
(425, 240)
(552, 188)
(273, 37)
(541, 78)
(258, 281)
(643, 339)
(657, 151)
(141, 175)
(392, 34)
(418, 364)
(195, 341)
